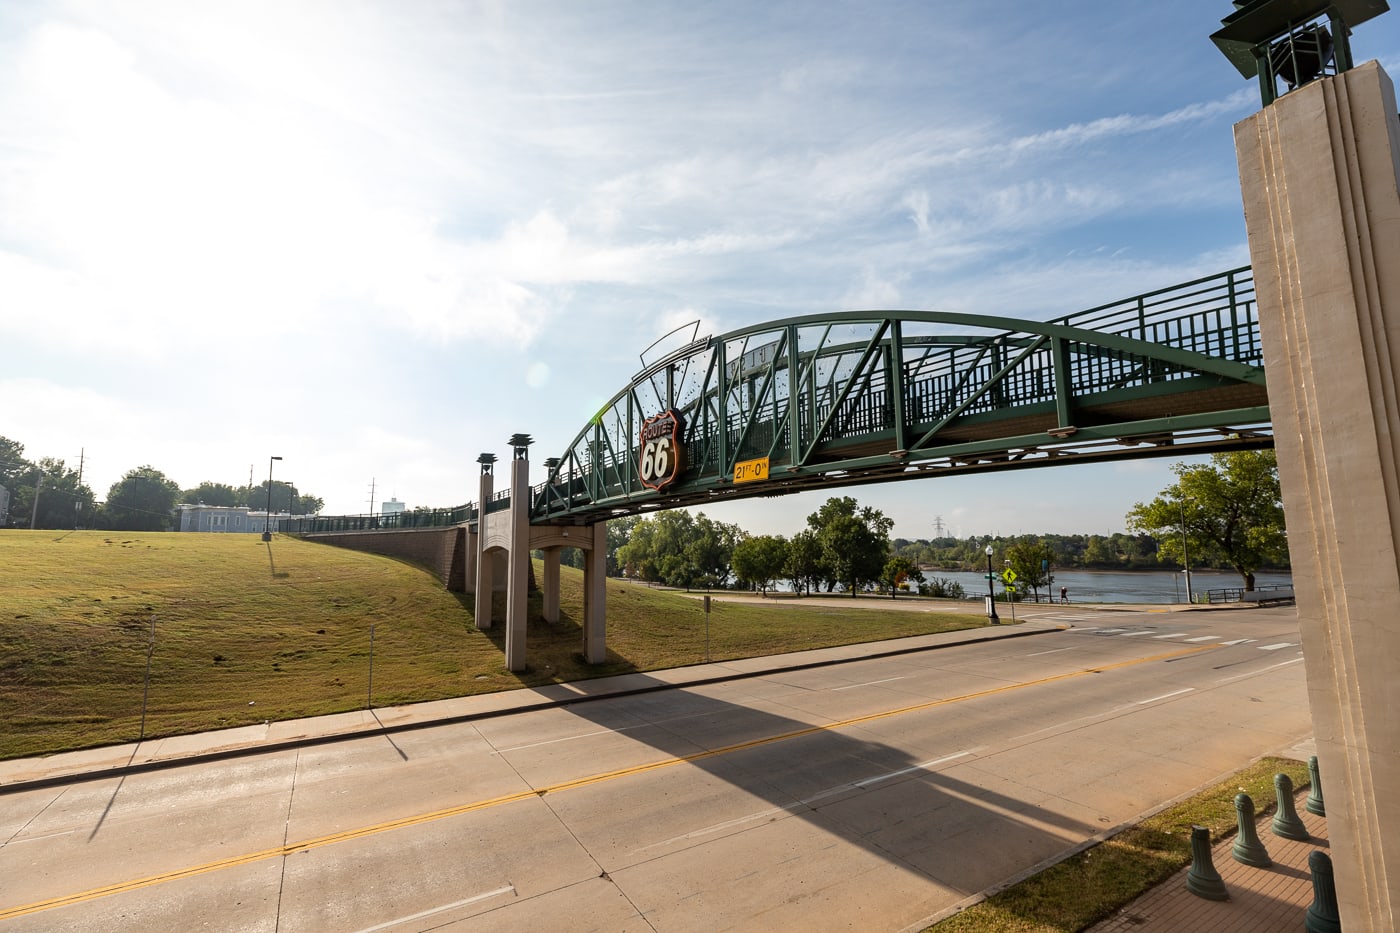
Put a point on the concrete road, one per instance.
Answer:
(873, 794)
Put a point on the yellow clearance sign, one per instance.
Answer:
(751, 471)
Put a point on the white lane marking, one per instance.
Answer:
(1135, 634)
(1226, 680)
(1172, 635)
(921, 766)
(1239, 641)
(1175, 693)
(807, 801)
(1282, 644)
(870, 683)
(508, 889)
(1051, 651)
(1106, 631)
(1204, 638)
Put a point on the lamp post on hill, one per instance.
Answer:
(991, 593)
(267, 522)
(1181, 501)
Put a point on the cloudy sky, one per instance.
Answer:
(376, 239)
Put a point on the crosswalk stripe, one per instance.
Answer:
(1282, 644)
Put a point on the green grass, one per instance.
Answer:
(1082, 890)
(246, 633)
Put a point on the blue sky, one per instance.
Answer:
(377, 239)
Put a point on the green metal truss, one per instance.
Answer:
(879, 396)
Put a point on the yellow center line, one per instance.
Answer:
(405, 822)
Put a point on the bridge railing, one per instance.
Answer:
(416, 518)
(1214, 315)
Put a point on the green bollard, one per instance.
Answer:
(1314, 802)
(1322, 916)
(1286, 822)
(1248, 849)
(1202, 879)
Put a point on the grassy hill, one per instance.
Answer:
(245, 632)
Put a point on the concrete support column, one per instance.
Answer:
(549, 589)
(484, 563)
(595, 596)
(518, 572)
(1320, 172)
(469, 556)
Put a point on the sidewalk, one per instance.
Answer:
(155, 754)
(1262, 900)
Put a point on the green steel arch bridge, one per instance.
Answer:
(881, 396)
(860, 397)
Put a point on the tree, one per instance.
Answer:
(285, 498)
(63, 502)
(619, 530)
(1230, 510)
(12, 464)
(759, 561)
(897, 571)
(216, 494)
(803, 565)
(854, 541)
(1030, 560)
(142, 500)
(711, 549)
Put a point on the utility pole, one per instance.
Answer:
(82, 455)
(34, 516)
(938, 526)
(371, 495)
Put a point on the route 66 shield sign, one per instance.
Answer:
(661, 455)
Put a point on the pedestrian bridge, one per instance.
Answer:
(858, 397)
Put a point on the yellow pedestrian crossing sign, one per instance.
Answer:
(1008, 576)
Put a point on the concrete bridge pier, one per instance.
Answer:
(592, 541)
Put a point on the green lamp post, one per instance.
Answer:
(1293, 41)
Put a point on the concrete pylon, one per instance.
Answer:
(484, 562)
(518, 572)
(1320, 175)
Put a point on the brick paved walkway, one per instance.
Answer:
(1262, 900)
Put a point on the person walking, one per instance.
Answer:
(1064, 594)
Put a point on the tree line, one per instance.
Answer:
(1227, 514)
(47, 493)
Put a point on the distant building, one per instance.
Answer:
(217, 518)
(227, 519)
(4, 506)
(391, 507)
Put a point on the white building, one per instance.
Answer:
(391, 507)
(227, 519)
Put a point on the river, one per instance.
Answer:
(1120, 586)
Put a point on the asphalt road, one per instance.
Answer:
(868, 795)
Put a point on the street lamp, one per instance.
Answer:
(267, 522)
(991, 594)
(1185, 559)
